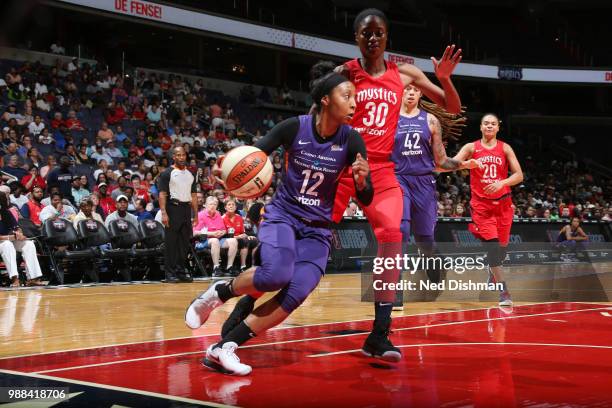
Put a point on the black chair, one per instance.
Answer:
(61, 244)
(152, 247)
(93, 234)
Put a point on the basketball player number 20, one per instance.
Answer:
(316, 175)
(377, 114)
(490, 171)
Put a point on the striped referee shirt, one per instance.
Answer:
(178, 184)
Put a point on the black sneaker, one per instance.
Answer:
(379, 346)
(185, 277)
(243, 268)
(232, 272)
(171, 278)
(243, 308)
(218, 272)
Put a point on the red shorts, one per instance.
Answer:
(492, 218)
(385, 211)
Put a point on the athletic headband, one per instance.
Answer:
(326, 85)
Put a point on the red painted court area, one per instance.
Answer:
(555, 354)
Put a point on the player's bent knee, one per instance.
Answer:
(276, 268)
(389, 235)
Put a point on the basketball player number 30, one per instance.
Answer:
(377, 114)
(316, 175)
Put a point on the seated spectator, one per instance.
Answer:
(572, 234)
(12, 241)
(56, 48)
(211, 226)
(86, 212)
(78, 192)
(138, 113)
(154, 113)
(17, 198)
(121, 213)
(105, 201)
(57, 120)
(31, 210)
(116, 114)
(105, 133)
(12, 149)
(33, 179)
(141, 191)
(120, 136)
(141, 210)
(14, 169)
(37, 126)
(112, 150)
(234, 223)
(45, 137)
(352, 210)
(73, 123)
(56, 209)
(100, 155)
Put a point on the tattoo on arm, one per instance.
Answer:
(439, 150)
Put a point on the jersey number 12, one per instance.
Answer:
(316, 175)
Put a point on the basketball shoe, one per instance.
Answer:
(200, 308)
(225, 360)
(378, 345)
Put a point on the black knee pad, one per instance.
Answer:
(494, 252)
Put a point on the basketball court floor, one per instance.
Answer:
(127, 345)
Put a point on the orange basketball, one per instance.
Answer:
(247, 172)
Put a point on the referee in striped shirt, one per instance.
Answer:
(178, 204)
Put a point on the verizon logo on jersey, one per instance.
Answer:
(377, 93)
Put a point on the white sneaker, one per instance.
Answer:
(200, 308)
(225, 360)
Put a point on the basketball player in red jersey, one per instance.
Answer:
(491, 202)
(379, 88)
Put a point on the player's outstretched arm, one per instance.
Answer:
(447, 96)
(442, 161)
(464, 158)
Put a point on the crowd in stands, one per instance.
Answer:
(75, 134)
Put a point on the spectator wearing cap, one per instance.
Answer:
(86, 212)
(31, 210)
(17, 198)
(78, 192)
(56, 209)
(100, 154)
(112, 150)
(12, 241)
(106, 202)
(61, 177)
(121, 213)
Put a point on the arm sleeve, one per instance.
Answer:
(163, 183)
(194, 184)
(357, 145)
(282, 134)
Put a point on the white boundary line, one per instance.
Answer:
(318, 338)
(468, 344)
(115, 388)
(274, 328)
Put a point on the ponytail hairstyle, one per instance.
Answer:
(323, 79)
(452, 124)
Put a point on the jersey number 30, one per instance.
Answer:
(316, 175)
(377, 114)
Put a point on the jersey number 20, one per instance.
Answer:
(490, 171)
(377, 114)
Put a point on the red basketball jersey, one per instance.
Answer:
(379, 101)
(495, 168)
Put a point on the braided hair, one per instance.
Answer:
(452, 124)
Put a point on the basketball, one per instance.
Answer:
(247, 172)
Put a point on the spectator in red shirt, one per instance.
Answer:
(33, 179)
(57, 120)
(137, 113)
(116, 114)
(73, 123)
(33, 207)
(234, 223)
(106, 201)
(140, 190)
